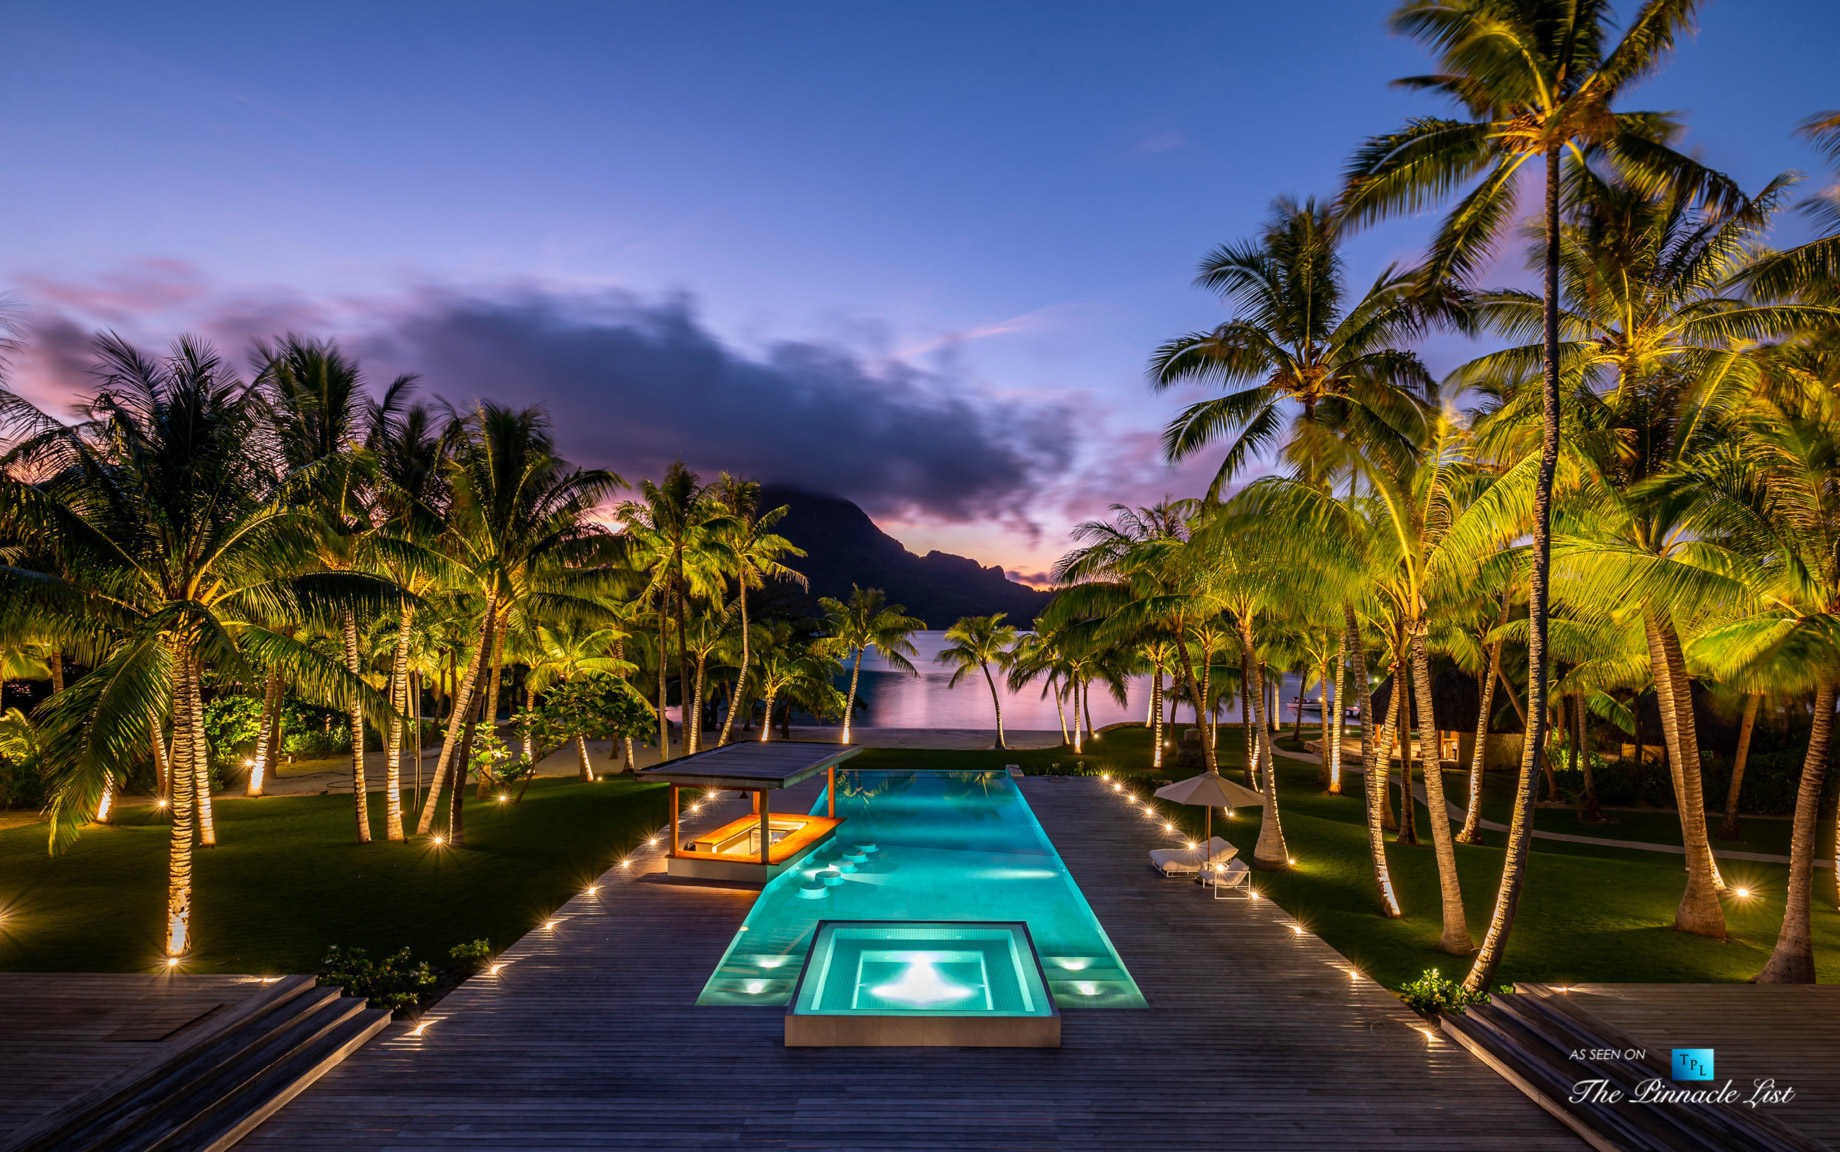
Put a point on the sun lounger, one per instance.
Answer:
(1188, 861)
(1233, 877)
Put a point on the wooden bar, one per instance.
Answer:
(830, 789)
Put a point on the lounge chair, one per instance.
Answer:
(1233, 876)
(1173, 862)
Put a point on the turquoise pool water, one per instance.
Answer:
(866, 968)
(933, 846)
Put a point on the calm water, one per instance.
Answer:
(939, 846)
(897, 700)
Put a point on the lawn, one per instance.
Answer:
(287, 881)
(1587, 913)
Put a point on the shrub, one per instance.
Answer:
(395, 982)
(1431, 994)
(22, 781)
(471, 956)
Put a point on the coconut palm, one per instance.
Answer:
(163, 506)
(757, 553)
(522, 536)
(568, 649)
(869, 621)
(1537, 80)
(977, 642)
(1768, 495)
(1296, 344)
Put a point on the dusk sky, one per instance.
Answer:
(915, 255)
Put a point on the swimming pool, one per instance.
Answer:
(933, 846)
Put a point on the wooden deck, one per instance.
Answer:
(63, 1033)
(1256, 1038)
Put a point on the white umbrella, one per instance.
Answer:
(1211, 790)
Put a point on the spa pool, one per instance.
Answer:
(939, 846)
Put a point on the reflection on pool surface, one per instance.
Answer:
(955, 846)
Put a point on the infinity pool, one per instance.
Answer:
(927, 846)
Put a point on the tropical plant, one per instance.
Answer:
(867, 622)
(978, 642)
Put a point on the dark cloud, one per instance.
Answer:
(634, 385)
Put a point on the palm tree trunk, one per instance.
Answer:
(1520, 827)
(460, 705)
(179, 840)
(393, 744)
(1245, 723)
(735, 701)
(1699, 912)
(696, 732)
(664, 694)
(1297, 716)
(55, 660)
(1792, 961)
(1208, 757)
(766, 724)
(1339, 720)
(1581, 750)
(489, 714)
(683, 654)
(162, 763)
(581, 754)
(1270, 853)
(849, 706)
(1150, 711)
(415, 695)
(456, 807)
(1456, 939)
(359, 791)
(1728, 827)
(201, 756)
(1408, 805)
(1372, 781)
(998, 702)
(1079, 735)
(1086, 707)
(1322, 689)
(1156, 718)
(1472, 815)
(265, 736)
(530, 748)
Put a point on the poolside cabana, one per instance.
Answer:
(759, 846)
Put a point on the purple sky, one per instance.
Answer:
(914, 255)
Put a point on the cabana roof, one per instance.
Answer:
(751, 765)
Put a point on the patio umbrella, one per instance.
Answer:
(1211, 790)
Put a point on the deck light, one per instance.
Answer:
(626, 863)
(172, 961)
(420, 1028)
(550, 925)
(1742, 893)
(1105, 775)
(591, 890)
(653, 841)
(1191, 845)
(1169, 827)
(438, 840)
(161, 802)
(1293, 861)
(1296, 929)
(495, 969)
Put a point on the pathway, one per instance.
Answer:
(1256, 1037)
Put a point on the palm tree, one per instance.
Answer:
(1769, 494)
(522, 534)
(866, 622)
(801, 672)
(1296, 343)
(568, 649)
(163, 507)
(978, 642)
(1536, 80)
(757, 552)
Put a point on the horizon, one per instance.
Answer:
(934, 272)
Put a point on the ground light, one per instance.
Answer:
(1742, 893)
(550, 925)
(503, 797)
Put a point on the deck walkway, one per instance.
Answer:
(1256, 1038)
(63, 1033)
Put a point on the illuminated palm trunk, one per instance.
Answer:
(456, 723)
(183, 780)
(1339, 721)
(1375, 782)
(998, 702)
(201, 753)
(1700, 911)
(1792, 961)
(355, 712)
(1456, 939)
(766, 723)
(393, 745)
(1073, 690)
(1328, 706)
(1270, 853)
(696, 723)
(1472, 816)
(490, 715)
(734, 703)
(1156, 715)
(581, 752)
(849, 707)
(265, 736)
(1728, 827)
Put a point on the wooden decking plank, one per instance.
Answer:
(1255, 1038)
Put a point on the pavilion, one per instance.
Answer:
(759, 846)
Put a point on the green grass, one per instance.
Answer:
(1587, 913)
(287, 881)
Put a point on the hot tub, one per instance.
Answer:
(879, 983)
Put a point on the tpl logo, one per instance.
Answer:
(1692, 1063)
